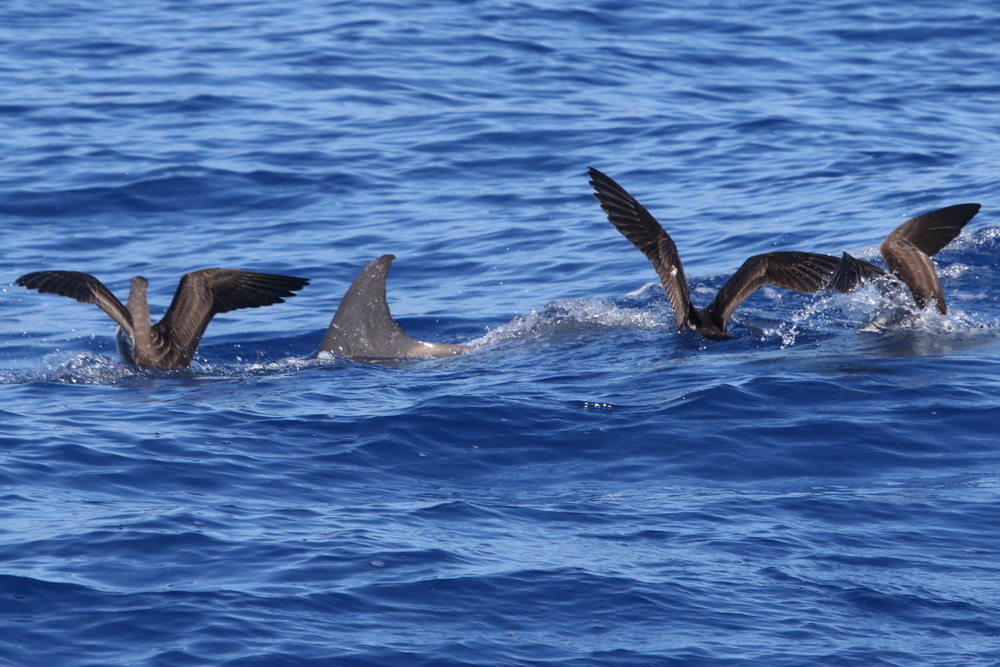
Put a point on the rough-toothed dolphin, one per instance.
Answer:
(800, 271)
(171, 342)
(362, 329)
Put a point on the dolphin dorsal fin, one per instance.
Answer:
(362, 327)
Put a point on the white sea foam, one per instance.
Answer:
(569, 315)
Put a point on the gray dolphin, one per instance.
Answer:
(363, 329)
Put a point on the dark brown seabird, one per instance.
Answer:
(907, 251)
(171, 342)
(795, 270)
(363, 329)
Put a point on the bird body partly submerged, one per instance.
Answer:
(806, 272)
(171, 342)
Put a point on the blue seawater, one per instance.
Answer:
(588, 487)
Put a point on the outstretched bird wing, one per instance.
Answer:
(909, 248)
(637, 225)
(80, 286)
(800, 271)
(203, 294)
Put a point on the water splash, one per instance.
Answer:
(571, 315)
(78, 368)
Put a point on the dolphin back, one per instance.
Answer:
(363, 328)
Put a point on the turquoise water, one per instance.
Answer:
(588, 486)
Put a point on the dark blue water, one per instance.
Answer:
(587, 487)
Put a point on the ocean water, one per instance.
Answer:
(588, 486)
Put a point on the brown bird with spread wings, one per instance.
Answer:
(800, 271)
(171, 342)
(907, 251)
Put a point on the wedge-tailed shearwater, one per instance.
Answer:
(171, 342)
(363, 329)
(907, 251)
(795, 270)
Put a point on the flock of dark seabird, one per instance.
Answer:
(363, 329)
